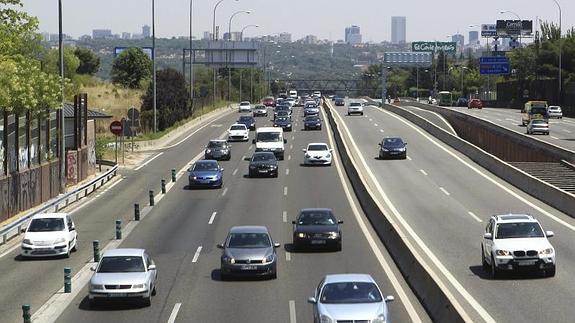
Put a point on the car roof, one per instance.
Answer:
(218, 140)
(238, 124)
(263, 153)
(206, 161)
(269, 129)
(317, 143)
(509, 218)
(310, 209)
(133, 252)
(249, 229)
(341, 278)
(49, 215)
(245, 102)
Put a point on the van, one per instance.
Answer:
(270, 139)
(293, 94)
(534, 110)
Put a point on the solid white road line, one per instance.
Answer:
(212, 218)
(475, 216)
(287, 171)
(285, 190)
(414, 317)
(235, 172)
(148, 161)
(284, 216)
(225, 191)
(444, 191)
(292, 137)
(288, 256)
(290, 146)
(174, 313)
(197, 254)
(553, 137)
(292, 316)
(423, 172)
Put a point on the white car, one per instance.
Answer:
(245, 106)
(316, 94)
(355, 108)
(554, 111)
(317, 154)
(514, 242)
(238, 132)
(50, 234)
(349, 298)
(291, 101)
(124, 273)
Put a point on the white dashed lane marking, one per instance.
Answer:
(197, 254)
(423, 172)
(285, 190)
(444, 191)
(212, 218)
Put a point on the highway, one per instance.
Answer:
(182, 230)
(442, 200)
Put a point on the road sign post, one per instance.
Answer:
(117, 128)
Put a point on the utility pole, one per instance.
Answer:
(154, 65)
(62, 130)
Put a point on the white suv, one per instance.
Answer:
(355, 108)
(516, 241)
(245, 106)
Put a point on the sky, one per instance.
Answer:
(327, 19)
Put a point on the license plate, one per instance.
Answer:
(526, 263)
(318, 242)
(249, 267)
(263, 171)
(118, 295)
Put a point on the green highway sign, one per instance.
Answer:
(431, 46)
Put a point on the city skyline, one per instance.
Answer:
(375, 28)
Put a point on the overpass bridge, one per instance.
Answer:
(327, 85)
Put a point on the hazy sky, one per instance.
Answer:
(426, 19)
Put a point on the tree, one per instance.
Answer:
(51, 62)
(131, 68)
(89, 62)
(172, 99)
(18, 30)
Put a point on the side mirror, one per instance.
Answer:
(285, 141)
(220, 246)
(389, 299)
(93, 268)
(151, 267)
(405, 143)
(379, 144)
(293, 222)
(71, 228)
(312, 300)
(253, 141)
(488, 236)
(304, 150)
(222, 169)
(340, 222)
(330, 150)
(247, 158)
(276, 245)
(549, 234)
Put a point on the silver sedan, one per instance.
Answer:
(124, 273)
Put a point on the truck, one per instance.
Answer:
(534, 110)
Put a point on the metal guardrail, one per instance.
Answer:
(77, 194)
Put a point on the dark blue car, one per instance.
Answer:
(249, 121)
(312, 122)
(283, 122)
(206, 173)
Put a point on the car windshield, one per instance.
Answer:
(205, 166)
(312, 106)
(263, 157)
(355, 104)
(249, 240)
(245, 119)
(539, 122)
(393, 142)
(312, 119)
(538, 110)
(260, 107)
(519, 230)
(283, 113)
(316, 218)
(317, 147)
(244, 103)
(216, 144)
(121, 264)
(238, 127)
(282, 108)
(350, 293)
(268, 137)
(46, 225)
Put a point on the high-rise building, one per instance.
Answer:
(310, 39)
(473, 37)
(284, 38)
(101, 34)
(126, 35)
(208, 35)
(398, 30)
(146, 31)
(234, 36)
(353, 35)
(460, 40)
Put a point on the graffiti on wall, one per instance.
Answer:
(91, 148)
(72, 167)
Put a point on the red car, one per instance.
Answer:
(475, 104)
(269, 102)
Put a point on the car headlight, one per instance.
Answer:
(275, 124)
(402, 149)
(208, 151)
(318, 124)
(27, 241)
(96, 287)
(547, 251)
(334, 234)
(268, 259)
(193, 177)
(273, 166)
(384, 149)
(301, 235)
(230, 260)
(502, 252)
(60, 240)
(379, 319)
(328, 156)
(325, 319)
(252, 167)
(139, 286)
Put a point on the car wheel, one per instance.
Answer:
(494, 271)
(484, 263)
(339, 246)
(75, 248)
(67, 255)
(147, 300)
(94, 302)
(348, 114)
(362, 113)
(154, 291)
(274, 275)
(550, 272)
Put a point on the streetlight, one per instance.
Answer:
(230, 22)
(251, 69)
(228, 56)
(242, 32)
(214, 37)
(560, 52)
(417, 82)
(463, 68)
(154, 65)
(62, 134)
(191, 61)
(518, 17)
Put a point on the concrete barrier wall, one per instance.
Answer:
(427, 290)
(557, 198)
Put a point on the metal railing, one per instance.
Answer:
(66, 199)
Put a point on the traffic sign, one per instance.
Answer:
(116, 128)
(494, 66)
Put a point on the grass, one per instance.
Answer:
(113, 100)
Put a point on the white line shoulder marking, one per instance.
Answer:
(174, 313)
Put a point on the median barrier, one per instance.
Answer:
(557, 198)
(435, 301)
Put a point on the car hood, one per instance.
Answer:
(262, 163)
(318, 153)
(312, 122)
(249, 253)
(237, 132)
(282, 123)
(247, 123)
(45, 236)
(316, 228)
(363, 311)
(522, 244)
(118, 278)
(204, 173)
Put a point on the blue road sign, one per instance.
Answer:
(494, 65)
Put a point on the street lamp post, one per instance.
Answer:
(154, 65)
(215, 37)
(228, 55)
(191, 61)
(62, 132)
(251, 69)
(560, 49)
(245, 27)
